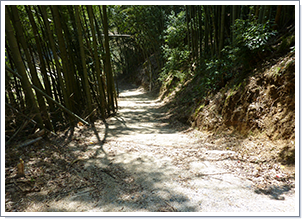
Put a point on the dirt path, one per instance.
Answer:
(139, 162)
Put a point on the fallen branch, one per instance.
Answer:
(18, 186)
(49, 98)
(20, 129)
(210, 174)
(76, 189)
(30, 119)
(107, 172)
(37, 134)
(90, 114)
(30, 142)
(34, 189)
(173, 208)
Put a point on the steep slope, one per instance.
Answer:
(258, 105)
(263, 103)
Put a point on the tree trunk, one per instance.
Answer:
(278, 15)
(188, 30)
(222, 30)
(212, 11)
(29, 95)
(33, 71)
(60, 87)
(261, 14)
(51, 99)
(82, 55)
(200, 33)
(9, 90)
(234, 17)
(206, 32)
(97, 62)
(72, 82)
(19, 97)
(62, 48)
(266, 13)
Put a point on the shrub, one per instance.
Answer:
(175, 52)
(250, 42)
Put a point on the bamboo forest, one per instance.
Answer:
(150, 108)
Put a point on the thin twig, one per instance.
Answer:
(174, 209)
(31, 119)
(107, 172)
(20, 129)
(18, 186)
(30, 142)
(75, 189)
(20, 113)
(210, 174)
(90, 114)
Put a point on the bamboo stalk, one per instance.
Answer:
(50, 98)
(30, 119)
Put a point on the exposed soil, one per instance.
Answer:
(263, 103)
(141, 161)
(260, 106)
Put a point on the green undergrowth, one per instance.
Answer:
(189, 92)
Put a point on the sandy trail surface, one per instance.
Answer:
(139, 161)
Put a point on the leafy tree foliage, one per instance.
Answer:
(74, 53)
(175, 50)
(214, 41)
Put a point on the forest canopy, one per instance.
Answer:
(62, 61)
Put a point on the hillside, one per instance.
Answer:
(257, 104)
(261, 106)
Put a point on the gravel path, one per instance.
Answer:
(139, 162)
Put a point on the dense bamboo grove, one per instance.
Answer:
(61, 61)
(212, 41)
(59, 51)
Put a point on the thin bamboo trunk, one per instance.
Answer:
(111, 92)
(62, 47)
(82, 55)
(32, 68)
(62, 93)
(222, 30)
(50, 98)
(97, 63)
(29, 95)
